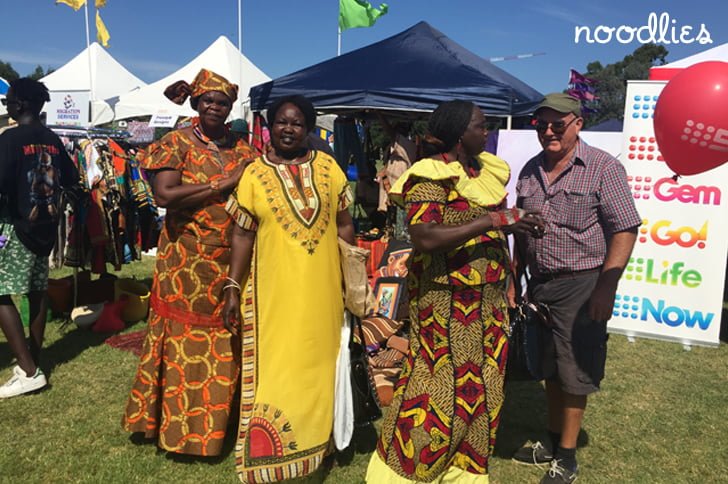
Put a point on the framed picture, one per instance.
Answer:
(387, 293)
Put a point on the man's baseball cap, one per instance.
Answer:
(561, 103)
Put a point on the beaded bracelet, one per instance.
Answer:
(505, 217)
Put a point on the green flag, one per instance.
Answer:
(358, 13)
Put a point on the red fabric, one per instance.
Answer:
(132, 342)
(110, 319)
(187, 317)
(377, 249)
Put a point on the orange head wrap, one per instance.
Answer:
(205, 81)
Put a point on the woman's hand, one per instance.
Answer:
(229, 183)
(520, 221)
(231, 311)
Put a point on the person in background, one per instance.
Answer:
(290, 208)
(34, 168)
(188, 372)
(591, 227)
(441, 425)
(399, 155)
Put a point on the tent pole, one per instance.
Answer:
(509, 122)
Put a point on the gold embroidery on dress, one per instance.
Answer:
(303, 211)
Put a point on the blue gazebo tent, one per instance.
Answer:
(414, 70)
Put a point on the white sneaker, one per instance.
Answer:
(21, 383)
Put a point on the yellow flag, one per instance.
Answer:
(100, 3)
(74, 4)
(102, 35)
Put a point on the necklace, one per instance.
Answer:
(299, 160)
(212, 144)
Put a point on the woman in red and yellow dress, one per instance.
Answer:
(442, 422)
(188, 372)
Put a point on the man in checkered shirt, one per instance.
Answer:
(590, 228)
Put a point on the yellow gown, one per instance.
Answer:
(292, 315)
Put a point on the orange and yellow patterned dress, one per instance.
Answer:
(189, 368)
(442, 422)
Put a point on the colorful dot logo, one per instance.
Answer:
(643, 148)
(635, 269)
(697, 133)
(641, 186)
(643, 107)
(626, 306)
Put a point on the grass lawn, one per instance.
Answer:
(661, 417)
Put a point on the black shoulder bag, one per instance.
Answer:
(366, 405)
(531, 338)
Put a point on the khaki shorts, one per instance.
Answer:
(579, 351)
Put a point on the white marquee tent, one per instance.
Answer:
(666, 72)
(221, 57)
(109, 79)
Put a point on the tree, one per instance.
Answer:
(7, 72)
(611, 86)
(38, 73)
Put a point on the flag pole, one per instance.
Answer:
(240, 51)
(240, 26)
(90, 68)
(338, 49)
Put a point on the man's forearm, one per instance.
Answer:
(619, 249)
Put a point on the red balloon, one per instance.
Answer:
(691, 119)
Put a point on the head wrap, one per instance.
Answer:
(205, 81)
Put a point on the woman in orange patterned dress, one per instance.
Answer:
(188, 372)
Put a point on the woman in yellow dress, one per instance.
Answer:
(442, 422)
(289, 208)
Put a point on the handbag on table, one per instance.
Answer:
(358, 294)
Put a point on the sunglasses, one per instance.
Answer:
(558, 127)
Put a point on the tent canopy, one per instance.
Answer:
(666, 72)
(221, 57)
(414, 70)
(109, 79)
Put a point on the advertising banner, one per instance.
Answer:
(673, 286)
(68, 108)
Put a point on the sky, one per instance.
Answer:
(153, 38)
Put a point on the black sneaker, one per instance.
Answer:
(558, 474)
(533, 454)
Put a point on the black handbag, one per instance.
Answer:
(531, 340)
(366, 405)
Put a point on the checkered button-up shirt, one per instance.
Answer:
(587, 203)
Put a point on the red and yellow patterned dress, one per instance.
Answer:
(443, 419)
(188, 372)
